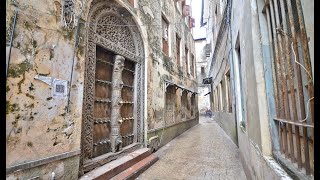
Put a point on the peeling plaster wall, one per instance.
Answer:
(63, 169)
(37, 124)
(162, 67)
(256, 165)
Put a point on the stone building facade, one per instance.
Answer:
(218, 66)
(268, 46)
(89, 81)
(203, 96)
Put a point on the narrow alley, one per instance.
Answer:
(121, 89)
(203, 152)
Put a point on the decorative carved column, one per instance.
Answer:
(116, 103)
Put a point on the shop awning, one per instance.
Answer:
(179, 86)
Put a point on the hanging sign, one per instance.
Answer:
(207, 80)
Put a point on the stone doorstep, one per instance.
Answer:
(137, 169)
(115, 167)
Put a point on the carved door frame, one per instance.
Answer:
(100, 9)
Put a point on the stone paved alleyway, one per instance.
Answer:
(202, 152)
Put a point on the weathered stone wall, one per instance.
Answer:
(204, 101)
(168, 133)
(255, 164)
(220, 67)
(256, 160)
(60, 169)
(162, 67)
(38, 125)
(227, 122)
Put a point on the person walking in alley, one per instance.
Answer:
(208, 113)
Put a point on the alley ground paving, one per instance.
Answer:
(203, 152)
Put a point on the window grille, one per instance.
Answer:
(293, 82)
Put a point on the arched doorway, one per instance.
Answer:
(113, 90)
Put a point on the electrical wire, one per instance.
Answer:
(295, 60)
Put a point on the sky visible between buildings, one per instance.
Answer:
(198, 32)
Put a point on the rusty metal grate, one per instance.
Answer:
(293, 85)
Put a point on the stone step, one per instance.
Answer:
(137, 169)
(115, 167)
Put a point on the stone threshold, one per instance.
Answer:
(104, 159)
(123, 167)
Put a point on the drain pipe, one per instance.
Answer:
(11, 39)
(76, 43)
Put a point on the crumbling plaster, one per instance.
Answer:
(39, 126)
(164, 67)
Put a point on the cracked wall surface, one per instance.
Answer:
(37, 124)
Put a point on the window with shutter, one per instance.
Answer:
(178, 49)
(165, 36)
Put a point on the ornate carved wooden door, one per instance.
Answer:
(102, 102)
(127, 109)
(113, 103)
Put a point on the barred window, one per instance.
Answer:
(293, 83)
